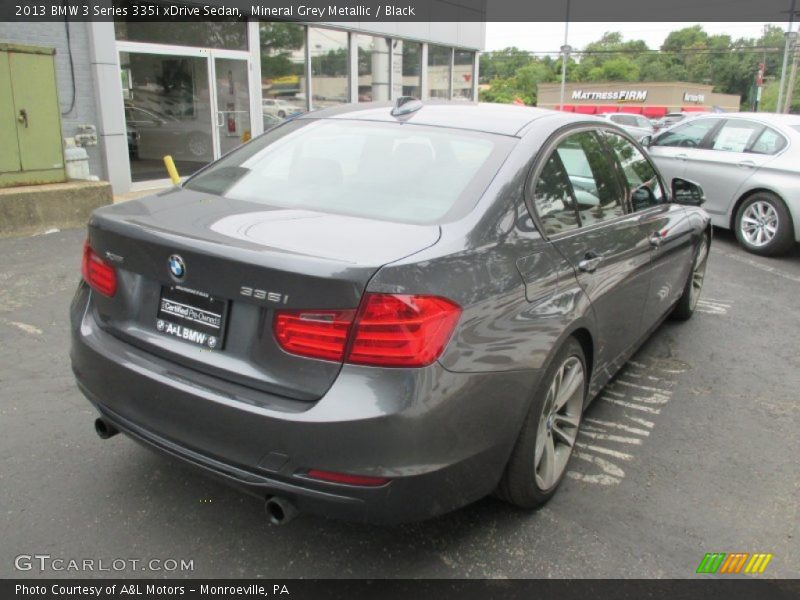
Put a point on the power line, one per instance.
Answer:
(499, 54)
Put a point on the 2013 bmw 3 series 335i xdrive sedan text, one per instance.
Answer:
(385, 312)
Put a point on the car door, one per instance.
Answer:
(673, 147)
(580, 208)
(726, 164)
(666, 226)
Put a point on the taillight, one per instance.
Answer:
(402, 330)
(314, 333)
(98, 273)
(391, 330)
(346, 478)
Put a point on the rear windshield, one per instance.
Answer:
(390, 171)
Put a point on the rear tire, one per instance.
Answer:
(684, 309)
(764, 226)
(542, 452)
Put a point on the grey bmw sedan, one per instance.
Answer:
(385, 312)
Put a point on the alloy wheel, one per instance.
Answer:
(759, 223)
(559, 422)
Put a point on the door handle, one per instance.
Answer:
(23, 117)
(220, 119)
(591, 260)
(748, 164)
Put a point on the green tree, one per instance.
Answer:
(503, 64)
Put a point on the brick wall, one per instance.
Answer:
(54, 35)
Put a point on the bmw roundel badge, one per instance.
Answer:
(177, 267)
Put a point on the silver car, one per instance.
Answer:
(637, 125)
(749, 166)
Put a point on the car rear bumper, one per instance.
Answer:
(442, 438)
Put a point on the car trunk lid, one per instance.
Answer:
(242, 261)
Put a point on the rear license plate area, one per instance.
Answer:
(192, 316)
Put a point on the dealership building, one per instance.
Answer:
(651, 99)
(135, 91)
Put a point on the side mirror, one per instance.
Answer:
(646, 140)
(687, 192)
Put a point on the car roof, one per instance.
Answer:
(502, 119)
(764, 117)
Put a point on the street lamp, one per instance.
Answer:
(565, 52)
(790, 37)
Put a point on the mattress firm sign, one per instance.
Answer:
(616, 95)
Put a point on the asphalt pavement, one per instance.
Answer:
(693, 448)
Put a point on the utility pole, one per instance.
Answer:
(788, 37)
(792, 78)
(565, 50)
(759, 81)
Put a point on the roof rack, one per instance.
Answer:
(406, 105)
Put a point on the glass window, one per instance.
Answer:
(645, 187)
(688, 135)
(439, 71)
(373, 68)
(736, 135)
(463, 71)
(329, 67)
(283, 71)
(593, 180)
(407, 68)
(384, 171)
(769, 142)
(227, 34)
(642, 122)
(553, 199)
(167, 102)
(628, 120)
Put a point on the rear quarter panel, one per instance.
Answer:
(519, 297)
(780, 176)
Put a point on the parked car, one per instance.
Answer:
(673, 118)
(749, 166)
(278, 107)
(637, 125)
(381, 312)
(156, 134)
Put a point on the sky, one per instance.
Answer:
(549, 37)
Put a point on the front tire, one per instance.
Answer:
(540, 457)
(764, 226)
(684, 308)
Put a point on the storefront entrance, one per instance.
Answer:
(190, 103)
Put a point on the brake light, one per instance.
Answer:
(347, 479)
(391, 330)
(98, 273)
(314, 333)
(402, 330)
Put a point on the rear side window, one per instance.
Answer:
(592, 178)
(553, 198)
(688, 135)
(577, 186)
(736, 135)
(643, 182)
(387, 171)
(769, 142)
